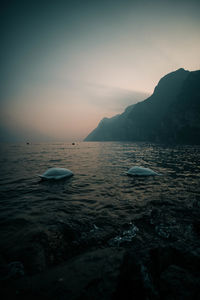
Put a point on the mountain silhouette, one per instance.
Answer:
(170, 115)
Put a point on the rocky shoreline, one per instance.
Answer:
(154, 255)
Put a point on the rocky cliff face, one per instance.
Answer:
(170, 115)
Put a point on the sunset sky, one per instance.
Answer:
(67, 64)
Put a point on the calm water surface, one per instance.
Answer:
(99, 190)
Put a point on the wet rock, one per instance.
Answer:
(175, 272)
(92, 275)
(70, 233)
(12, 270)
(178, 281)
(196, 227)
(53, 245)
(76, 259)
(134, 280)
(160, 273)
(154, 216)
(34, 258)
(163, 231)
(96, 236)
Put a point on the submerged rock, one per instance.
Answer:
(56, 174)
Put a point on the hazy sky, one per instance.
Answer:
(67, 64)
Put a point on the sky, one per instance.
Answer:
(67, 64)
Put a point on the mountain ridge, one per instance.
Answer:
(162, 117)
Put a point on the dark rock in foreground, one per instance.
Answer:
(156, 256)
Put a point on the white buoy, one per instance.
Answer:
(56, 174)
(140, 171)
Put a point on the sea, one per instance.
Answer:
(95, 205)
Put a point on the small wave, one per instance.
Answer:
(126, 236)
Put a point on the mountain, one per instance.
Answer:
(170, 115)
